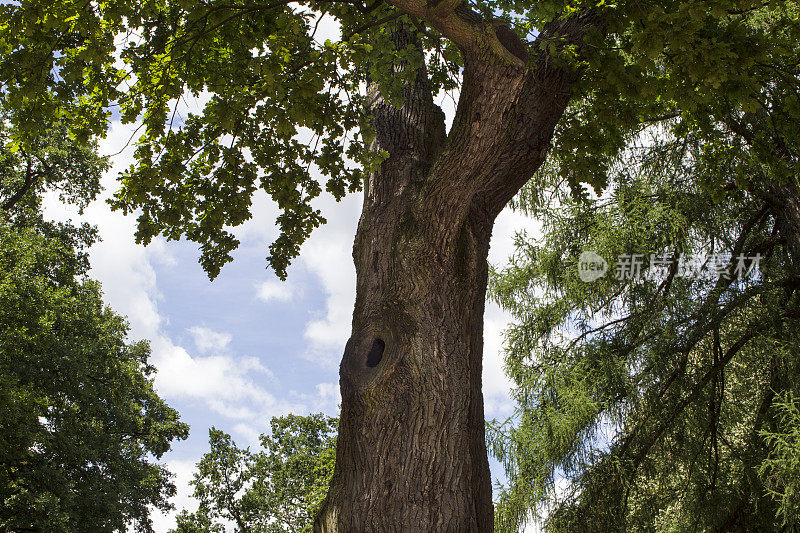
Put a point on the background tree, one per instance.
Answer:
(284, 108)
(275, 490)
(80, 422)
(666, 403)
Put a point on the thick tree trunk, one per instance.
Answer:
(411, 452)
(784, 198)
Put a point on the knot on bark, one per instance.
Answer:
(369, 357)
(375, 353)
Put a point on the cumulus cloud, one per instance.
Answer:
(224, 382)
(249, 433)
(328, 255)
(207, 340)
(183, 471)
(124, 268)
(219, 379)
(254, 364)
(326, 398)
(260, 227)
(329, 392)
(274, 291)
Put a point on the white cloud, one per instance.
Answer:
(160, 253)
(260, 228)
(448, 101)
(496, 384)
(207, 340)
(183, 499)
(327, 28)
(251, 435)
(329, 397)
(328, 255)
(224, 382)
(326, 398)
(254, 364)
(124, 268)
(274, 291)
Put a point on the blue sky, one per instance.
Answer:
(234, 352)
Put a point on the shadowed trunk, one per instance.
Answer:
(784, 198)
(411, 452)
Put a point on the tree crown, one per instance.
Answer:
(286, 113)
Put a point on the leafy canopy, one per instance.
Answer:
(276, 489)
(285, 113)
(80, 422)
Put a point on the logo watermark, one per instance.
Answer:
(591, 266)
(656, 267)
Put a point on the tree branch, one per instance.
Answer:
(368, 25)
(503, 125)
(29, 182)
(466, 28)
(537, 110)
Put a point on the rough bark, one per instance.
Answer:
(411, 453)
(784, 200)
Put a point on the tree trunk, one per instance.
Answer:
(411, 452)
(784, 199)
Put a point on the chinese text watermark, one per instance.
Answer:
(657, 267)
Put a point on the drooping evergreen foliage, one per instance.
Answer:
(277, 489)
(668, 402)
(80, 422)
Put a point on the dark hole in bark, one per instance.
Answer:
(510, 40)
(375, 353)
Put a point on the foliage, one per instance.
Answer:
(80, 422)
(50, 163)
(781, 470)
(652, 405)
(282, 107)
(276, 490)
(712, 69)
(267, 77)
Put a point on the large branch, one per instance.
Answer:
(541, 104)
(411, 133)
(471, 32)
(30, 180)
(504, 123)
